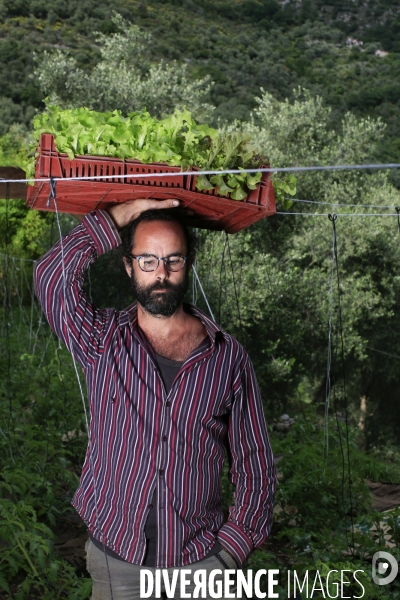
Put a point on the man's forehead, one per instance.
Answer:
(158, 231)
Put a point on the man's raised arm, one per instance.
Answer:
(60, 290)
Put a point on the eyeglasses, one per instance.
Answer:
(149, 262)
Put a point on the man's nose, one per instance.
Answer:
(161, 271)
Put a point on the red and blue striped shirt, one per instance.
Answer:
(143, 439)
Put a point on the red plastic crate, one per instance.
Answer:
(80, 197)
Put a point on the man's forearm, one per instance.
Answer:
(59, 283)
(253, 471)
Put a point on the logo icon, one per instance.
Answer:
(381, 572)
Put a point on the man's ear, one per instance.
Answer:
(128, 266)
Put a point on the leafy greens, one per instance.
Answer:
(176, 140)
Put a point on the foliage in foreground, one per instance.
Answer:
(42, 444)
(42, 447)
(275, 297)
(323, 519)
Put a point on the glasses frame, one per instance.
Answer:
(163, 258)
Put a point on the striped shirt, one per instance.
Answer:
(142, 438)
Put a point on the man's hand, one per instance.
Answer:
(125, 212)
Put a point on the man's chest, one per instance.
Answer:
(176, 348)
(127, 385)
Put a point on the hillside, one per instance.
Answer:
(337, 50)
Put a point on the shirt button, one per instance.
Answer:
(165, 438)
(161, 471)
(168, 403)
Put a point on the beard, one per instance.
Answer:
(162, 304)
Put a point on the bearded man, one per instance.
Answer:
(170, 392)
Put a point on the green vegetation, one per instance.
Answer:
(43, 441)
(276, 285)
(322, 522)
(241, 46)
(176, 140)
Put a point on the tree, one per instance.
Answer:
(124, 78)
(276, 297)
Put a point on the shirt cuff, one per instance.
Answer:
(102, 230)
(235, 541)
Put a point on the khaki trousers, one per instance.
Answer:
(125, 578)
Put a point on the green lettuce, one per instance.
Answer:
(176, 140)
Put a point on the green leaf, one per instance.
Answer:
(223, 189)
(4, 584)
(232, 181)
(53, 571)
(238, 193)
(217, 180)
(202, 183)
(253, 179)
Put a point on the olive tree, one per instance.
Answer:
(123, 79)
(283, 286)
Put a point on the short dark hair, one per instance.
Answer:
(170, 215)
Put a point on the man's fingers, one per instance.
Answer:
(170, 203)
(124, 212)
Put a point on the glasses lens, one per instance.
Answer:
(148, 263)
(175, 263)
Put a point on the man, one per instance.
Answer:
(168, 392)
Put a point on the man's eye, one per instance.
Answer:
(148, 262)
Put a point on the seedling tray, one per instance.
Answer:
(211, 211)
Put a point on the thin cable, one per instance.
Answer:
(339, 214)
(210, 172)
(234, 287)
(202, 291)
(194, 287)
(382, 352)
(7, 308)
(220, 282)
(344, 379)
(53, 197)
(329, 357)
(17, 257)
(339, 203)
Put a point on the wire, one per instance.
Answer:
(339, 203)
(382, 352)
(235, 290)
(220, 280)
(7, 308)
(333, 219)
(17, 257)
(211, 172)
(338, 214)
(52, 196)
(329, 357)
(202, 291)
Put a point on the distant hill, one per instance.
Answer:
(348, 52)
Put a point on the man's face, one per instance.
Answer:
(159, 292)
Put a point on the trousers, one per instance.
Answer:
(125, 578)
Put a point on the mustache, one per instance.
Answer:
(165, 285)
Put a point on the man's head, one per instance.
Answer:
(160, 233)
